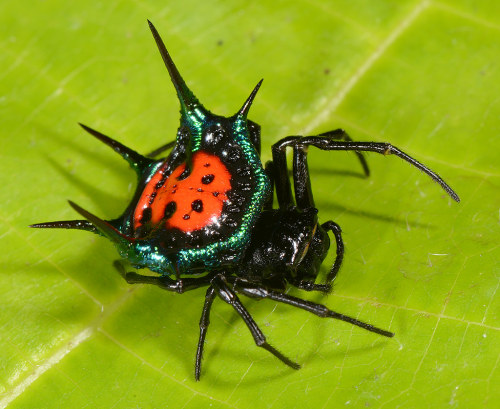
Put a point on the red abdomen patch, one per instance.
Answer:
(188, 204)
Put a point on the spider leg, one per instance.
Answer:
(325, 288)
(256, 291)
(301, 178)
(337, 232)
(161, 149)
(254, 130)
(229, 296)
(307, 285)
(281, 179)
(164, 282)
(378, 147)
(204, 323)
(340, 134)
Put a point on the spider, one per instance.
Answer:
(203, 216)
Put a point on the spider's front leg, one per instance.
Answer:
(341, 135)
(383, 148)
(301, 178)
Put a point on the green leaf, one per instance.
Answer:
(421, 75)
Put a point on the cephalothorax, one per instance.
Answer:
(204, 216)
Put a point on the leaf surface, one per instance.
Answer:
(421, 75)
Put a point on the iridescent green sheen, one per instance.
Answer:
(195, 120)
(147, 254)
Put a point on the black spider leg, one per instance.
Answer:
(254, 130)
(302, 183)
(164, 282)
(301, 179)
(204, 323)
(258, 291)
(229, 296)
(161, 149)
(341, 135)
(281, 179)
(339, 257)
(337, 232)
(303, 193)
(309, 285)
(378, 147)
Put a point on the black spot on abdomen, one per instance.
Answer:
(146, 215)
(170, 209)
(207, 179)
(197, 206)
